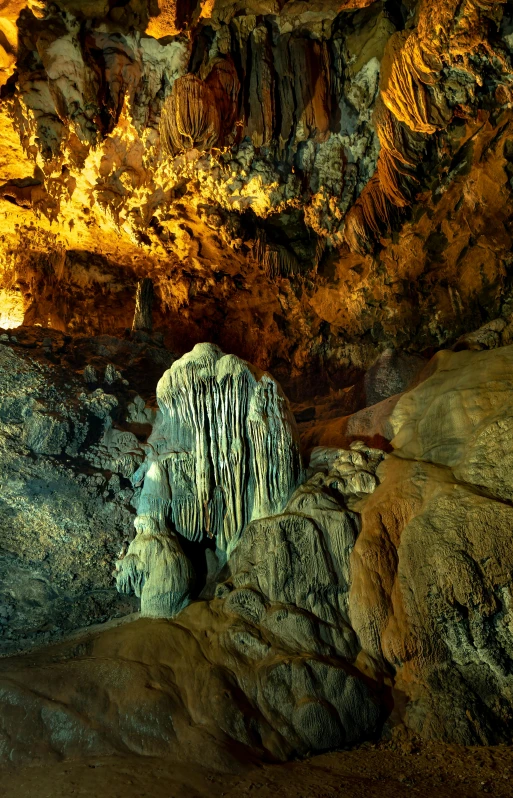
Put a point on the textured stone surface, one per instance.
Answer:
(68, 446)
(430, 595)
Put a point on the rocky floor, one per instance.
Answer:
(368, 772)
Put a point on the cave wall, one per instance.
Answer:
(304, 187)
(72, 433)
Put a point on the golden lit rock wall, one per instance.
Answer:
(300, 183)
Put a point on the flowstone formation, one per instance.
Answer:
(223, 452)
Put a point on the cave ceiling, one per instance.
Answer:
(304, 182)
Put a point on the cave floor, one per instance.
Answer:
(385, 770)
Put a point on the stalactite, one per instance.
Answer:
(392, 187)
(143, 319)
(397, 161)
(409, 67)
(278, 261)
(260, 121)
(190, 116)
(447, 34)
(369, 217)
(224, 83)
(201, 113)
(275, 259)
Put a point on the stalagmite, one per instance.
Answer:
(155, 569)
(224, 451)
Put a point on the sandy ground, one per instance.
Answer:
(432, 771)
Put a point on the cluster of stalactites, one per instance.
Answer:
(228, 444)
(409, 110)
(392, 187)
(201, 114)
(275, 259)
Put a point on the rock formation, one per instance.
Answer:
(283, 606)
(223, 452)
(376, 597)
(417, 99)
(431, 585)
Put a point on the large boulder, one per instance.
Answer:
(430, 597)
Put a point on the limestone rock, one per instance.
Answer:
(392, 373)
(382, 578)
(60, 526)
(325, 190)
(459, 417)
(431, 568)
(143, 317)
